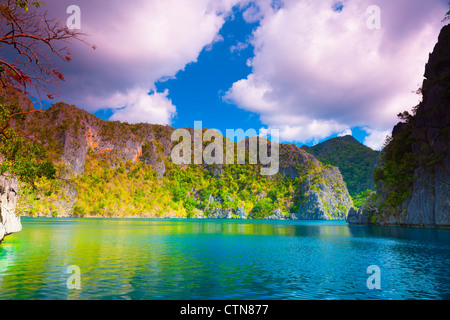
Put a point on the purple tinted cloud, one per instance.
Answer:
(318, 71)
(138, 43)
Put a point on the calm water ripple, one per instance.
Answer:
(222, 259)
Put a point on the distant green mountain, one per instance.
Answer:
(355, 160)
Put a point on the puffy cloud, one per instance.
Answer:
(376, 138)
(347, 132)
(318, 71)
(137, 106)
(138, 43)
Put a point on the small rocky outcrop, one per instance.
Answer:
(222, 214)
(9, 222)
(240, 212)
(277, 215)
(358, 216)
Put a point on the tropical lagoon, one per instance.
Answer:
(199, 259)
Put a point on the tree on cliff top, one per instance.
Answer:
(447, 15)
(31, 42)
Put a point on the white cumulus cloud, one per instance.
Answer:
(347, 132)
(317, 71)
(138, 44)
(138, 106)
(376, 138)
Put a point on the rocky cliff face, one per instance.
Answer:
(324, 193)
(355, 161)
(9, 222)
(71, 136)
(428, 132)
(70, 133)
(430, 200)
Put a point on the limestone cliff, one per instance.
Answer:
(420, 149)
(116, 160)
(9, 222)
(70, 133)
(324, 194)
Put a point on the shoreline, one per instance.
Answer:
(176, 218)
(246, 219)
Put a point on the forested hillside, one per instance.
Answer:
(355, 161)
(115, 169)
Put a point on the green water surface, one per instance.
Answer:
(222, 259)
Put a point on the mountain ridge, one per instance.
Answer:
(356, 161)
(94, 157)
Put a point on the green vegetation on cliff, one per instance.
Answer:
(412, 180)
(19, 156)
(133, 189)
(118, 169)
(396, 173)
(355, 161)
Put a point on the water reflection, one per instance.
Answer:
(217, 259)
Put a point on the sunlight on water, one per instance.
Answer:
(221, 259)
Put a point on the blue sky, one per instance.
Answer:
(200, 88)
(216, 69)
(312, 69)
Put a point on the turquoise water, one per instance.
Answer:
(222, 259)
